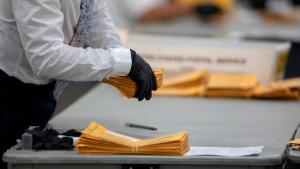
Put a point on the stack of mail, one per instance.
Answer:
(96, 139)
(186, 91)
(213, 84)
(189, 84)
(225, 5)
(285, 89)
(128, 87)
(230, 85)
(295, 144)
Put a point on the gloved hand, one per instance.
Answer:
(142, 74)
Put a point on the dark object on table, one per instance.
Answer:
(72, 133)
(140, 126)
(49, 140)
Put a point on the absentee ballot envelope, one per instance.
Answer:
(186, 84)
(96, 139)
(295, 144)
(193, 78)
(128, 87)
(284, 89)
(225, 5)
(181, 91)
(230, 85)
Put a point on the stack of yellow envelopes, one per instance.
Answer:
(295, 144)
(241, 85)
(230, 85)
(194, 78)
(285, 89)
(128, 87)
(181, 91)
(225, 5)
(96, 139)
(189, 84)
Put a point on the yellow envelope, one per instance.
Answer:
(231, 81)
(267, 92)
(288, 83)
(229, 93)
(189, 79)
(226, 5)
(296, 141)
(284, 89)
(230, 85)
(181, 91)
(128, 87)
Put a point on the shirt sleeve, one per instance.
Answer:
(104, 35)
(40, 25)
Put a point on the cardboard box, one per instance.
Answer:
(178, 54)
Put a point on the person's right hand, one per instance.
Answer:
(142, 74)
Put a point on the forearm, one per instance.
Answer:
(77, 64)
(50, 58)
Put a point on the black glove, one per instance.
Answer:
(142, 74)
(206, 10)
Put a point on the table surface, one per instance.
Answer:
(210, 122)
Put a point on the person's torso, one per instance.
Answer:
(12, 56)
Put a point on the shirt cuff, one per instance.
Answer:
(122, 61)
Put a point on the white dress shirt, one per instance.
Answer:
(34, 38)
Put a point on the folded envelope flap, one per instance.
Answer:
(98, 132)
(261, 90)
(232, 81)
(181, 91)
(289, 83)
(229, 93)
(296, 141)
(176, 137)
(94, 129)
(224, 4)
(121, 139)
(195, 77)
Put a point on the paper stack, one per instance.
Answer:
(96, 139)
(189, 84)
(230, 85)
(225, 5)
(128, 87)
(295, 144)
(285, 89)
(237, 85)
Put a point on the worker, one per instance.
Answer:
(265, 4)
(42, 43)
(130, 12)
(277, 10)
